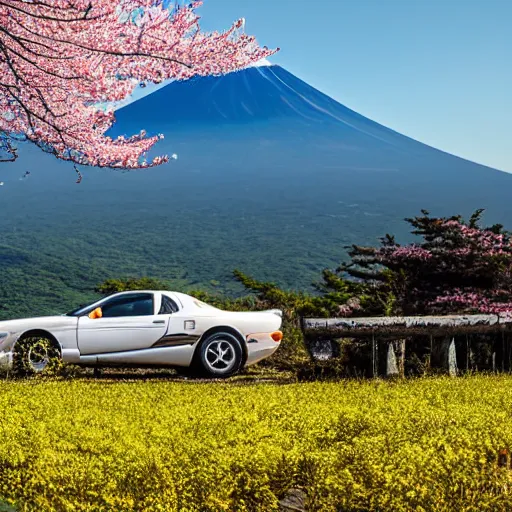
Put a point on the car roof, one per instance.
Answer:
(182, 297)
(150, 291)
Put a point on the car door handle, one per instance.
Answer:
(159, 321)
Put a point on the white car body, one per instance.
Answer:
(158, 339)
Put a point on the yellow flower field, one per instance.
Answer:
(109, 445)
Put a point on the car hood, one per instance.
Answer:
(41, 322)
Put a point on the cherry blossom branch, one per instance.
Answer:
(59, 59)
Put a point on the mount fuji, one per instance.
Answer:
(272, 177)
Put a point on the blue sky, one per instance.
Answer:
(439, 71)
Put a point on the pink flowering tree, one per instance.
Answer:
(60, 59)
(454, 267)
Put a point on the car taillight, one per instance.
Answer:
(277, 336)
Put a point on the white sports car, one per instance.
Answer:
(144, 329)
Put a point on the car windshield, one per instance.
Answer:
(80, 310)
(77, 311)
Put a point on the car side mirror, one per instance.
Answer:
(96, 313)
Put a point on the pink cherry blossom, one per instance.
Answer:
(453, 253)
(59, 59)
(409, 252)
(350, 307)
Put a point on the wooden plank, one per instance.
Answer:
(391, 362)
(388, 362)
(375, 358)
(443, 356)
(396, 327)
(452, 359)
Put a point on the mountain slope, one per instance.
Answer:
(272, 177)
(266, 94)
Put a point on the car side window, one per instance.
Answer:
(168, 306)
(129, 305)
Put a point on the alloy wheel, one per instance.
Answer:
(220, 356)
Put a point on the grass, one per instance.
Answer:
(152, 442)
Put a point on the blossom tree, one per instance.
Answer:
(60, 59)
(457, 267)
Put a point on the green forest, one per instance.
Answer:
(52, 262)
(381, 279)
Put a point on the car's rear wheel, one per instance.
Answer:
(36, 355)
(219, 355)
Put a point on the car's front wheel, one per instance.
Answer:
(220, 355)
(36, 355)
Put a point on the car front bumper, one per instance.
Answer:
(259, 347)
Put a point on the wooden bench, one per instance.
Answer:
(388, 336)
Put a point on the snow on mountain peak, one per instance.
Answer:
(149, 88)
(260, 63)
